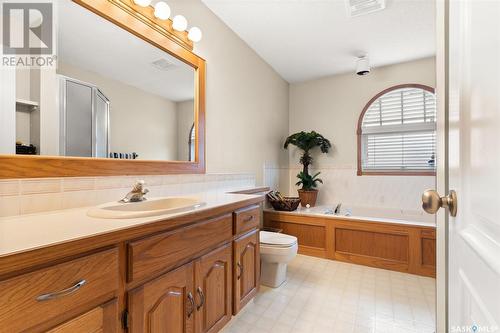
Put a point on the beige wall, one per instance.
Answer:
(140, 122)
(185, 120)
(7, 110)
(23, 83)
(247, 101)
(28, 119)
(23, 89)
(332, 106)
(23, 124)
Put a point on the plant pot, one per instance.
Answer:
(308, 197)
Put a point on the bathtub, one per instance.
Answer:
(399, 240)
(382, 215)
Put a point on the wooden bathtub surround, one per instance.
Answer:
(398, 247)
(187, 274)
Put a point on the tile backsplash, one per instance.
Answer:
(27, 196)
(343, 185)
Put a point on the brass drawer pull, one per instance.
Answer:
(62, 293)
(202, 298)
(240, 268)
(191, 302)
(248, 219)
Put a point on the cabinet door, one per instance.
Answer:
(246, 269)
(213, 286)
(165, 304)
(101, 319)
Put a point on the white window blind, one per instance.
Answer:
(398, 132)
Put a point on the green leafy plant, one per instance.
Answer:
(307, 141)
(308, 182)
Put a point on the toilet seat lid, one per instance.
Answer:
(277, 239)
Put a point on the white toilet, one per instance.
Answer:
(276, 251)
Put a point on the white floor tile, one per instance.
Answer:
(329, 296)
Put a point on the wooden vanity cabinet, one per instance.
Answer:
(246, 219)
(246, 276)
(40, 300)
(177, 276)
(195, 297)
(157, 253)
(100, 319)
(165, 304)
(214, 284)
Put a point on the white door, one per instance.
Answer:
(474, 165)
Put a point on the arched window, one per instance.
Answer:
(397, 132)
(191, 142)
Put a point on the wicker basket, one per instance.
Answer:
(288, 204)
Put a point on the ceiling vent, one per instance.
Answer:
(163, 64)
(362, 7)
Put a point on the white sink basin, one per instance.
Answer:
(150, 207)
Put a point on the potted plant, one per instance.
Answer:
(307, 141)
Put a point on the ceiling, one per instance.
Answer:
(308, 39)
(90, 42)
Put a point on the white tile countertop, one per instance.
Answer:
(29, 232)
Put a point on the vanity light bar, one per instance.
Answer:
(162, 11)
(143, 3)
(179, 23)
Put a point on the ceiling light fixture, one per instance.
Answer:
(363, 66)
(162, 10)
(179, 23)
(195, 34)
(142, 3)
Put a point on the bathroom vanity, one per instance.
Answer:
(187, 273)
(65, 271)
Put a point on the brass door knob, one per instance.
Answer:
(432, 201)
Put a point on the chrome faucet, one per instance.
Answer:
(137, 194)
(337, 209)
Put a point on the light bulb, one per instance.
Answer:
(162, 10)
(180, 23)
(142, 3)
(195, 34)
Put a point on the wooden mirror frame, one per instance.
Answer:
(142, 23)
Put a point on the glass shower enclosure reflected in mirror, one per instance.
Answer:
(84, 111)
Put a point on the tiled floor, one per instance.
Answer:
(330, 296)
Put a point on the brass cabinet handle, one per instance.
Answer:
(240, 267)
(202, 298)
(191, 301)
(248, 219)
(61, 293)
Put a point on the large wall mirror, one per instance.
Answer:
(126, 97)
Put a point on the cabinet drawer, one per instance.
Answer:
(29, 300)
(246, 219)
(160, 252)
